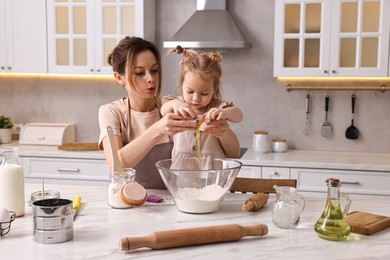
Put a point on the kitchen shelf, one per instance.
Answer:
(381, 88)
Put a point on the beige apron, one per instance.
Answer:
(147, 173)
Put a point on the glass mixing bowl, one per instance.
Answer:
(198, 186)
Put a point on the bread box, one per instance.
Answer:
(47, 134)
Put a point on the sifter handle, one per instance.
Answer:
(192, 236)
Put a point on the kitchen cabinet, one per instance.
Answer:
(23, 36)
(336, 38)
(250, 172)
(275, 173)
(65, 169)
(82, 33)
(352, 181)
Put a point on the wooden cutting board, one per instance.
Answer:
(367, 223)
(79, 147)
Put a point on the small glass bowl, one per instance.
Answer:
(48, 194)
(5, 227)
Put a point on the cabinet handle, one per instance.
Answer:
(275, 175)
(334, 72)
(9, 68)
(98, 70)
(2, 67)
(325, 71)
(76, 170)
(350, 182)
(91, 70)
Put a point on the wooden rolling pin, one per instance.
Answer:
(192, 236)
(255, 202)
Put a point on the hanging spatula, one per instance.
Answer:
(352, 132)
(306, 128)
(326, 128)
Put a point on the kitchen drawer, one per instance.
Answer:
(250, 172)
(60, 168)
(275, 173)
(354, 182)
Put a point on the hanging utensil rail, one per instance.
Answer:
(381, 88)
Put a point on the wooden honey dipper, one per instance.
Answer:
(192, 236)
(255, 202)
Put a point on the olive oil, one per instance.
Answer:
(332, 225)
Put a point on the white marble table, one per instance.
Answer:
(98, 229)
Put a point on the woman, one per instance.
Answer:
(142, 135)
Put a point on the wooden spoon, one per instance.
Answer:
(116, 164)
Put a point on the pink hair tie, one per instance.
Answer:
(184, 55)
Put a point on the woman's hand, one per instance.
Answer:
(171, 124)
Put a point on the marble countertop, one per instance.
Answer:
(320, 159)
(98, 229)
(53, 151)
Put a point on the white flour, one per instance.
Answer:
(204, 200)
(114, 196)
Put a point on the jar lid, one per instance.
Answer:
(133, 194)
(261, 132)
(282, 140)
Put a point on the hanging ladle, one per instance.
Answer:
(352, 132)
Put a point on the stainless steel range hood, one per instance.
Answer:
(210, 27)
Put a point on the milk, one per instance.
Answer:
(12, 188)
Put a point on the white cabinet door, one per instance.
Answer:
(360, 38)
(69, 169)
(302, 38)
(3, 39)
(250, 172)
(23, 36)
(275, 173)
(357, 182)
(81, 34)
(337, 38)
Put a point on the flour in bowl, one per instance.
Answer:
(204, 200)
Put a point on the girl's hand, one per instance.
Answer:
(215, 114)
(217, 128)
(183, 109)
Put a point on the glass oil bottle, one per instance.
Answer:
(332, 224)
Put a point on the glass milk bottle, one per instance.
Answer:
(11, 181)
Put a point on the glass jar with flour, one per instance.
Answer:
(123, 192)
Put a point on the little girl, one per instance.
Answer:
(200, 86)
